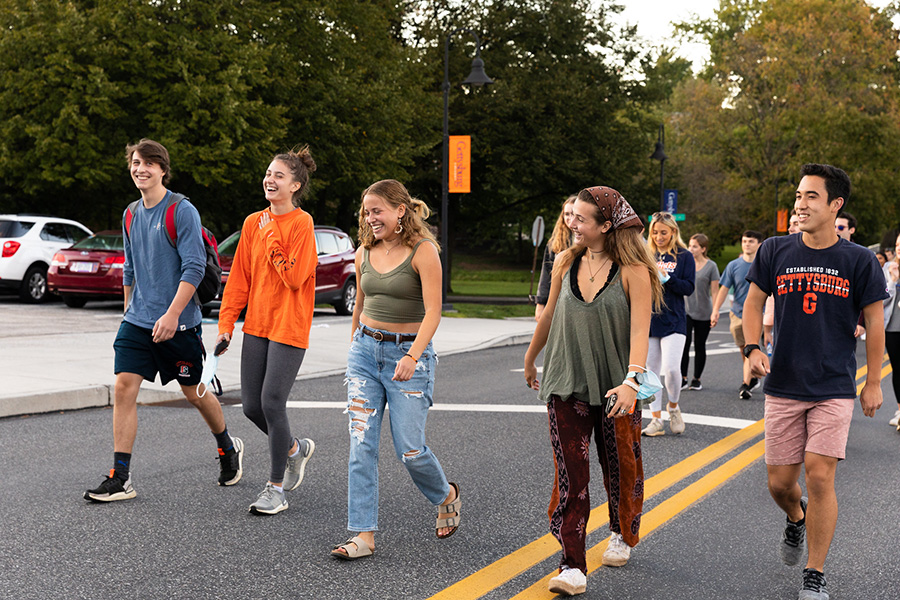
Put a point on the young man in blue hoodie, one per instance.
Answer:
(160, 332)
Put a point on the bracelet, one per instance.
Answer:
(638, 366)
(631, 384)
(411, 356)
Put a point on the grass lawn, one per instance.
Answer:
(489, 311)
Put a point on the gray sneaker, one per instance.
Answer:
(676, 423)
(654, 429)
(793, 540)
(296, 465)
(269, 502)
(814, 587)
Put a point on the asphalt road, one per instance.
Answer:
(714, 528)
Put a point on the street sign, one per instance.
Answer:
(678, 217)
(537, 231)
(671, 204)
(460, 176)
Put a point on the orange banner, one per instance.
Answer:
(782, 220)
(460, 159)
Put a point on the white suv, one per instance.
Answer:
(27, 244)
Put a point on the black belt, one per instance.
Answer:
(394, 337)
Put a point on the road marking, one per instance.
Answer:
(726, 422)
(664, 512)
(504, 569)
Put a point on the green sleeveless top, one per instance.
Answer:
(589, 343)
(395, 296)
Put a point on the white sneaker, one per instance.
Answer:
(654, 429)
(617, 552)
(895, 421)
(570, 582)
(676, 423)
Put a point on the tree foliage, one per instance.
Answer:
(790, 82)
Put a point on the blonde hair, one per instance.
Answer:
(395, 194)
(664, 218)
(626, 247)
(561, 236)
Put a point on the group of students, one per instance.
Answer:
(615, 311)
(391, 359)
(614, 315)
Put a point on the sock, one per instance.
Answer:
(279, 488)
(122, 465)
(299, 448)
(224, 440)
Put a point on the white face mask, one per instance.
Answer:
(209, 374)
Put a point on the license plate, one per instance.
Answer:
(83, 267)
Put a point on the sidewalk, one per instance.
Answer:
(46, 373)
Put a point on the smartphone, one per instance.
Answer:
(220, 347)
(611, 403)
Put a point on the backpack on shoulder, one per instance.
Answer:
(211, 283)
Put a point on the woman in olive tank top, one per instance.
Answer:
(391, 361)
(596, 329)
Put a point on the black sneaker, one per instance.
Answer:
(111, 489)
(745, 392)
(684, 383)
(813, 586)
(231, 463)
(695, 384)
(754, 383)
(793, 540)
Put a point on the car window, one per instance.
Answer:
(14, 229)
(229, 246)
(54, 232)
(101, 242)
(326, 243)
(76, 233)
(344, 243)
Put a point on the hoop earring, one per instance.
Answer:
(399, 226)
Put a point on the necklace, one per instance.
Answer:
(603, 264)
(388, 250)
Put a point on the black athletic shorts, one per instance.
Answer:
(179, 358)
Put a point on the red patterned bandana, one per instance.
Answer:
(614, 208)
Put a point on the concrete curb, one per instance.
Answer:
(102, 395)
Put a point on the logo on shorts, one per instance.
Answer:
(184, 368)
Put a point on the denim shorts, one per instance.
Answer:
(178, 358)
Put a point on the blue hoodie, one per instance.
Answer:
(681, 270)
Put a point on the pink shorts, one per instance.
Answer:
(794, 427)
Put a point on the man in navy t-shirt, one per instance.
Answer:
(821, 283)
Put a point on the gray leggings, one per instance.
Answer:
(268, 371)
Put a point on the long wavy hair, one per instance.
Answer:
(626, 248)
(561, 236)
(664, 218)
(413, 222)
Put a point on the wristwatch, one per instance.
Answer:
(749, 348)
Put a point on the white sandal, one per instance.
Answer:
(354, 548)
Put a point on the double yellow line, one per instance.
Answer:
(514, 564)
(503, 570)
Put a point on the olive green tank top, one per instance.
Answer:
(589, 343)
(395, 296)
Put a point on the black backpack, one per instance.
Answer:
(209, 287)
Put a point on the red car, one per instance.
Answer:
(335, 275)
(89, 270)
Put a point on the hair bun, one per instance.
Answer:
(420, 207)
(306, 158)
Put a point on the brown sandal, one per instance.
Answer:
(452, 522)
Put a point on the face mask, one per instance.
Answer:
(208, 378)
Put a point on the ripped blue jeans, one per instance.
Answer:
(370, 367)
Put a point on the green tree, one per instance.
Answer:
(792, 81)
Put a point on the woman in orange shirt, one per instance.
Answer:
(274, 277)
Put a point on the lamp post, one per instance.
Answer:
(660, 155)
(477, 77)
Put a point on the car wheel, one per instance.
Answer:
(348, 299)
(74, 301)
(34, 285)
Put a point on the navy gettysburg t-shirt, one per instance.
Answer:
(818, 297)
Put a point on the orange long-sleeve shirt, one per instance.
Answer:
(274, 276)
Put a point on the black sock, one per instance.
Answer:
(224, 440)
(122, 465)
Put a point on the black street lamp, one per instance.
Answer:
(660, 155)
(477, 77)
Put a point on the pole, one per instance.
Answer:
(445, 181)
(662, 185)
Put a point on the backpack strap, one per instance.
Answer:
(171, 208)
(129, 215)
